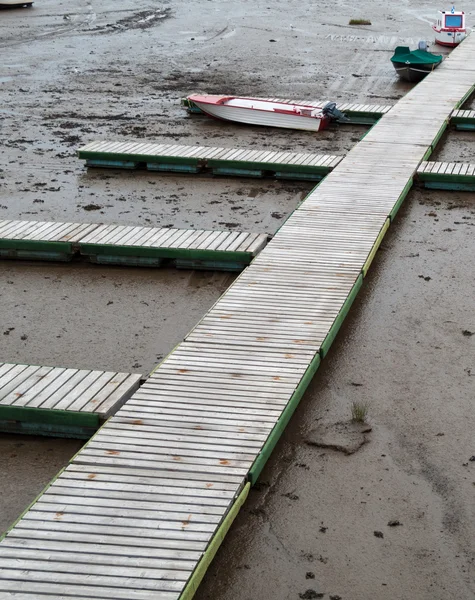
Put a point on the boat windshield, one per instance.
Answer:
(453, 20)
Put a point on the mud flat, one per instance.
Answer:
(318, 520)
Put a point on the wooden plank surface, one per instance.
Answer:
(209, 157)
(122, 236)
(459, 176)
(56, 388)
(150, 490)
(463, 114)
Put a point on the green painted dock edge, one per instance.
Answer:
(46, 430)
(32, 255)
(210, 552)
(50, 416)
(450, 187)
(267, 166)
(338, 322)
(36, 250)
(52, 422)
(139, 158)
(440, 133)
(375, 247)
(461, 102)
(36, 246)
(408, 186)
(361, 117)
(283, 421)
(47, 486)
(402, 197)
(449, 179)
(172, 253)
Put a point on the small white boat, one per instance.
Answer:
(254, 111)
(450, 28)
(15, 3)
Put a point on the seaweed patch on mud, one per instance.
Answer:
(144, 19)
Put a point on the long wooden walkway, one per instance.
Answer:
(129, 245)
(204, 159)
(58, 401)
(143, 507)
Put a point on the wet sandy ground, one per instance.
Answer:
(97, 73)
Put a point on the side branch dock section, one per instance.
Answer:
(204, 159)
(60, 402)
(447, 176)
(463, 120)
(129, 245)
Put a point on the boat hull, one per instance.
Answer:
(413, 73)
(264, 118)
(449, 38)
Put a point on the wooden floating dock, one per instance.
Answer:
(356, 113)
(60, 402)
(152, 495)
(129, 245)
(463, 120)
(447, 176)
(204, 159)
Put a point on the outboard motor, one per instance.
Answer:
(330, 110)
(422, 46)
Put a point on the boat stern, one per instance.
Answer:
(449, 38)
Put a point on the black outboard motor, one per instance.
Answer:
(332, 111)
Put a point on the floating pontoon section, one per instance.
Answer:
(129, 245)
(463, 120)
(204, 159)
(150, 497)
(357, 114)
(58, 401)
(447, 176)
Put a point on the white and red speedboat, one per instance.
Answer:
(450, 28)
(271, 113)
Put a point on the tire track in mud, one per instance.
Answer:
(144, 19)
(89, 17)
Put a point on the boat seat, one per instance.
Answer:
(286, 111)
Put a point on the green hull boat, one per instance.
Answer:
(414, 65)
